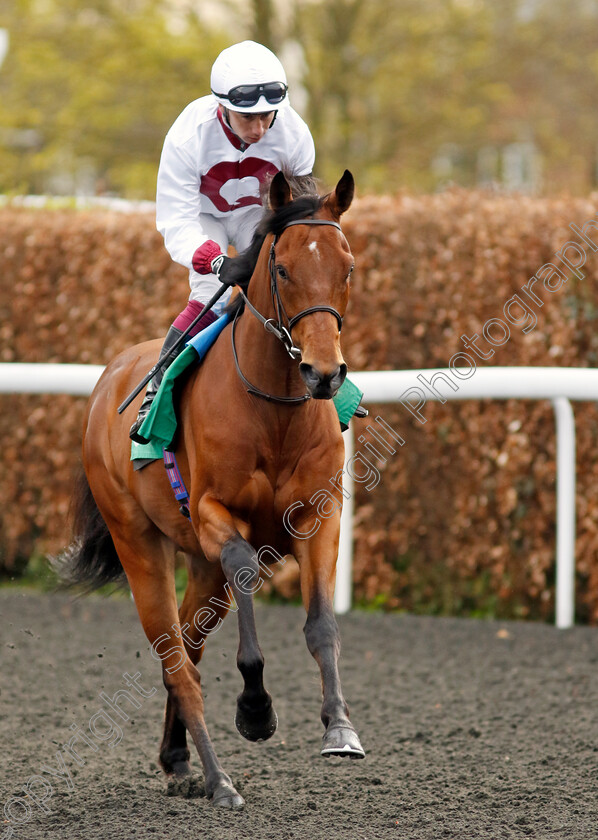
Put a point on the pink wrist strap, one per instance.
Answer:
(202, 258)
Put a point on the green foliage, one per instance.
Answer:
(180, 581)
(443, 590)
(99, 82)
(392, 84)
(395, 88)
(36, 573)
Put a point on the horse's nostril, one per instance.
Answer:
(337, 377)
(309, 374)
(324, 385)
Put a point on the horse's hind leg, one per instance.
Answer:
(150, 570)
(205, 592)
(256, 719)
(317, 561)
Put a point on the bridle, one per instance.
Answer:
(277, 326)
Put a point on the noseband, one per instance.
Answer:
(277, 327)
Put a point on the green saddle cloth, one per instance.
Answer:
(346, 402)
(159, 427)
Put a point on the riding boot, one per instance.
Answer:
(152, 387)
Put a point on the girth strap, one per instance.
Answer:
(176, 482)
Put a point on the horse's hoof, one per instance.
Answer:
(342, 741)
(181, 769)
(225, 796)
(175, 762)
(256, 726)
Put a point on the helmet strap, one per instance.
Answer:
(224, 110)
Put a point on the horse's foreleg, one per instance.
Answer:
(205, 597)
(317, 561)
(151, 577)
(256, 719)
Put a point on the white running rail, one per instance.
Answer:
(78, 380)
(559, 385)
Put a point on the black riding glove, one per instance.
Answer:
(222, 268)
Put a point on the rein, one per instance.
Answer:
(277, 327)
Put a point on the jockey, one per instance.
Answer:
(216, 156)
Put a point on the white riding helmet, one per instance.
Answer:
(249, 78)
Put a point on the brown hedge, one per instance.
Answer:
(463, 519)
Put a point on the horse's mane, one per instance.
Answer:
(273, 221)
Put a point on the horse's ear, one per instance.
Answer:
(340, 200)
(280, 192)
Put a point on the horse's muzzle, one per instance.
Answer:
(322, 386)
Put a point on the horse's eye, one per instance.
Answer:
(350, 272)
(282, 272)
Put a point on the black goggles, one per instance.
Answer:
(245, 96)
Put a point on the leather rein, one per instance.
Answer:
(277, 326)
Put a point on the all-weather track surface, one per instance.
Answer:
(473, 729)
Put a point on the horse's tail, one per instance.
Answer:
(91, 560)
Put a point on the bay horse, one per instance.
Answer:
(247, 455)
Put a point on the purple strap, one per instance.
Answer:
(176, 482)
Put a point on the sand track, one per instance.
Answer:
(472, 729)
